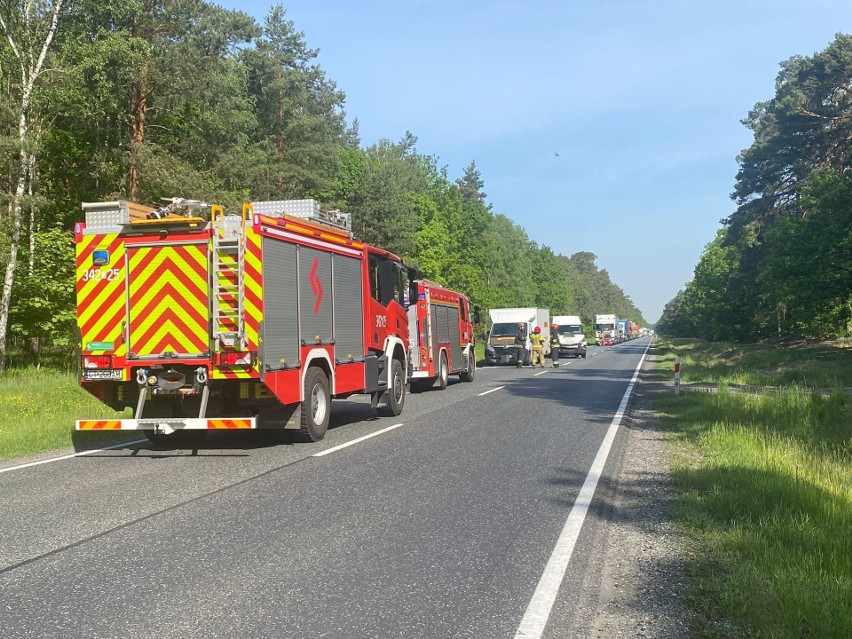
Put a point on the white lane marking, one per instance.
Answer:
(538, 610)
(490, 391)
(56, 459)
(541, 373)
(354, 441)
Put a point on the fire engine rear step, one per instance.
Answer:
(169, 424)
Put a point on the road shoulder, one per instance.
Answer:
(642, 580)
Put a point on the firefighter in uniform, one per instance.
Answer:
(554, 345)
(520, 343)
(537, 342)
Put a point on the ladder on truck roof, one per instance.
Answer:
(227, 278)
(307, 210)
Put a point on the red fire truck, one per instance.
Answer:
(241, 321)
(441, 339)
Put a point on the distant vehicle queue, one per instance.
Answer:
(510, 340)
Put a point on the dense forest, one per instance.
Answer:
(781, 265)
(144, 99)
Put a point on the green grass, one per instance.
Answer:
(813, 365)
(38, 409)
(764, 490)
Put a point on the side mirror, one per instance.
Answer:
(476, 315)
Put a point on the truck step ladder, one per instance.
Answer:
(228, 279)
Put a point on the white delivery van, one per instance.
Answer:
(500, 347)
(572, 340)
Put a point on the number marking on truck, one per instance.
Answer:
(100, 275)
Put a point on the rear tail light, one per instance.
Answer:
(233, 358)
(97, 361)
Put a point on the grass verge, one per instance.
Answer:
(38, 409)
(764, 491)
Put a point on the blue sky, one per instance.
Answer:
(608, 126)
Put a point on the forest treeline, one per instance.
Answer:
(144, 99)
(781, 265)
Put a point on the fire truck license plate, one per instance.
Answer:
(102, 374)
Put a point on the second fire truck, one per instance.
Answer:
(441, 324)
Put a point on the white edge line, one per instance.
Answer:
(85, 452)
(541, 373)
(538, 610)
(354, 441)
(490, 391)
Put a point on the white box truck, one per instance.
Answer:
(606, 327)
(500, 347)
(572, 340)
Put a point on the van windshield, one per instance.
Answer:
(570, 330)
(504, 329)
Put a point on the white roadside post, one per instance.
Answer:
(677, 375)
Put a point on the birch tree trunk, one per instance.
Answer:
(31, 178)
(31, 66)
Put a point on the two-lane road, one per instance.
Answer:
(439, 523)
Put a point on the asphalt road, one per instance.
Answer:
(438, 526)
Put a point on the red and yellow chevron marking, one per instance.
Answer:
(101, 293)
(252, 305)
(253, 286)
(235, 372)
(169, 302)
(216, 424)
(99, 424)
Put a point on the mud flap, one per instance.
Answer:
(280, 416)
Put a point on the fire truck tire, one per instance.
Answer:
(395, 395)
(443, 372)
(467, 376)
(316, 407)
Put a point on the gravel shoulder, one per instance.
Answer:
(642, 578)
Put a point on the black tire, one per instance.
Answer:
(468, 375)
(443, 372)
(528, 359)
(395, 395)
(316, 406)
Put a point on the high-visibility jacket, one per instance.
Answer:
(537, 340)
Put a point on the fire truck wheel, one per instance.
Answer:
(468, 375)
(316, 407)
(443, 372)
(396, 393)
